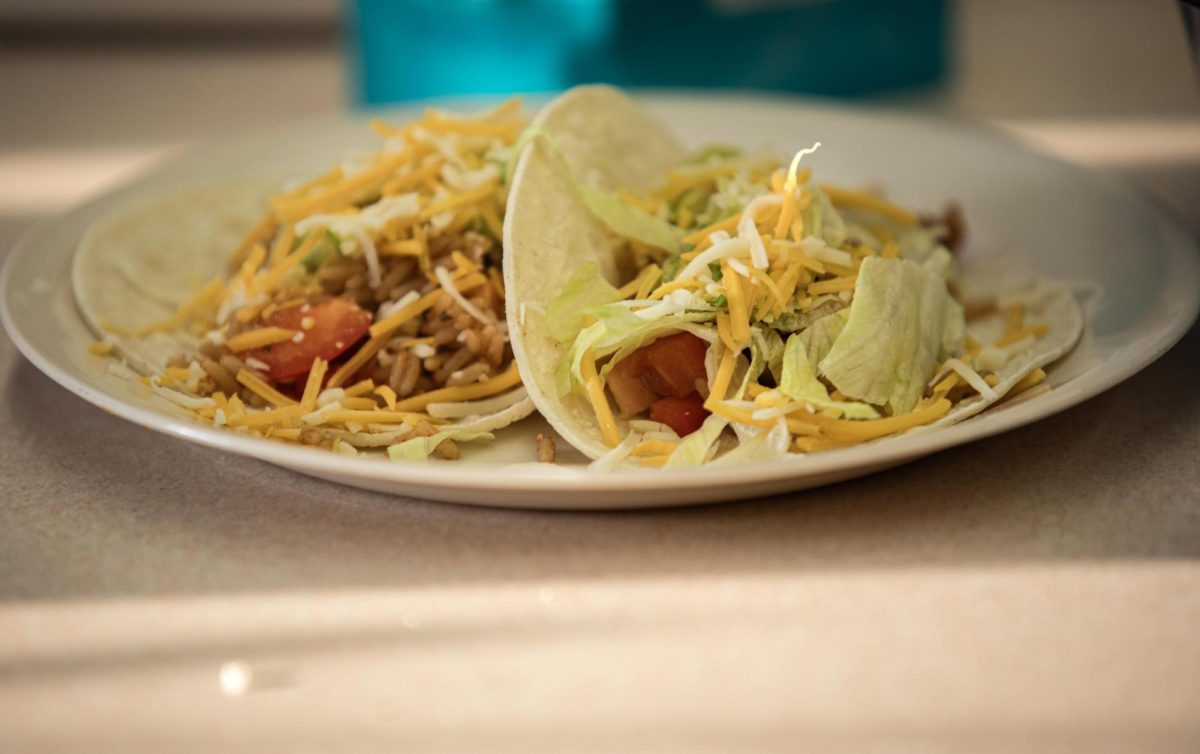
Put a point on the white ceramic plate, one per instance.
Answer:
(1058, 219)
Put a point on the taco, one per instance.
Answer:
(673, 309)
(363, 308)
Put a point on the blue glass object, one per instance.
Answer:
(409, 49)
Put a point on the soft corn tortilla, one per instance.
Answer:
(610, 142)
(1044, 301)
(135, 267)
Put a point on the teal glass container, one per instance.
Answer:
(410, 49)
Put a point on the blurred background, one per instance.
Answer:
(95, 90)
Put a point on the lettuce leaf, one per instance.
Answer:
(922, 245)
(621, 217)
(619, 332)
(629, 221)
(954, 336)
(322, 251)
(822, 220)
(586, 289)
(896, 327)
(800, 383)
(694, 449)
(768, 445)
(819, 336)
(771, 345)
(420, 448)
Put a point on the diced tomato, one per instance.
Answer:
(674, 364)
(684, 415)
(629, 389)
(668, 367)
(336, 325)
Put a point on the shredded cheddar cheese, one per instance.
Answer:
(1032, 331)
(503, 381)
(833, 286)
(842, 197)
(388, 395)
(595, 392)
(262, 389)
(258, 338)
(739, 318)
(654, 448)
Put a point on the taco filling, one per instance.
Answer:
(365, 308)
(749, 311)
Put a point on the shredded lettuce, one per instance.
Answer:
(800, 383)
(822, 220)
(896, 327)
(696, 448)
(629, 221)
(819, 336)
(732, 194)
(635, 337)
(767, 445)
(693, 200)
(922, 245)
(771, 345)
(617, 455)
(420, 448)
(617, 331)
(954, 335)
(322, 251)
(744, 376)
(586, 289)
(621, 217)
(797, 321)
(670, 268)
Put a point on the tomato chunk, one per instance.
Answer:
(668, 367)
(632, 394)
(684, 415)
(333, 327)
(675, 363)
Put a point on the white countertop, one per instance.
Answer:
(1035, 591)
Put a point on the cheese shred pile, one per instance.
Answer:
(828, 317)
(362, 298)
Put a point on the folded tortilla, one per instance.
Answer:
(601, 137)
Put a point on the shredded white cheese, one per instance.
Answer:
(614, 457)
(318, 416)
(728, 249)
(330, 395)
(992, 357)
(748, 229)
(819, 250)
(360, 228)
(776, 411)
(443, 278)
(195, 374)
(969, 375)
(180, 399)
(464, 180)
(388, 308)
